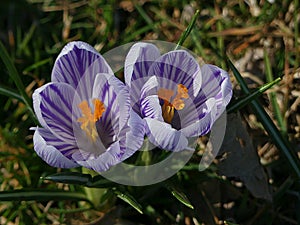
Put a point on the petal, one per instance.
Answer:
(138, 61)
(150, 87)
(149, 103)
(52, 150)
(207, 115)
(135, 135)
(151, 108)
(164, 136)
(129, 141)
(223, 79)
(187, 116)
(215, 84)
(115, 96)
(79, 62)
(176, 66)
(53, 106)
(104, 161)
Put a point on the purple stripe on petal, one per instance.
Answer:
(150, 87)
(106, 133)
(104, 161)
(138, 61)
(164, 136)
(151, 108)
(212, 79)
(135, 136)
(50, 152)
(53, 106)
(177, 66)
(206, 117)
(215, 84)
(78, 59)
(106, 94)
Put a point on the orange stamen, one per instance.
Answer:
(89, 119)
(169, 107)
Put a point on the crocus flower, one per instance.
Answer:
(85, 113)
(176, 98)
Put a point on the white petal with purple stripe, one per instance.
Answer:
(53, 151)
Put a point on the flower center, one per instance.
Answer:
(89, 119)
(172, 102)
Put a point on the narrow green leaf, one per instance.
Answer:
(126, 197)
(180, 197)
(41, 195)
(144, 15)
(281, 191)
(100, 182)
(273, 97)
(297, 209)
(10, 93)
(69, 178)
(29, 34)
(70, 211)
(296, 33)
(36, 65)
(12, 71)
(240, 103)
(134, 34)
(220, 42)
(230, 223)
(188, 30)
(268, 124)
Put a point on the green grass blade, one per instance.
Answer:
(144, 15)
(296, 33)
(26, 39)
(188, 30)
(39, 195)
(10, 93)
(69, 178)
(36, 65)
(180, 196)
(277, 111)
(12, 71)
(230, 223)
(126, 197)
(281, 191)
(81, 179)
(101, 182)
(240, 103)
(133, 35)
(268, 124)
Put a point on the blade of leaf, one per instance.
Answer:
(230, 223)
(180, 197)
(126, 197)
(144, 15)
(240, 103)
(41, 195)
(10, 93)
(273, 98)
(12, 71)
(188, 30)
(69, 178)
(281, 191)
(36, 65)
(268, 124)
(100, 182)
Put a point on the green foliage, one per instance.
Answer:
(33, 32)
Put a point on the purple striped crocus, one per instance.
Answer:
(85, 113)
(176, 98)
